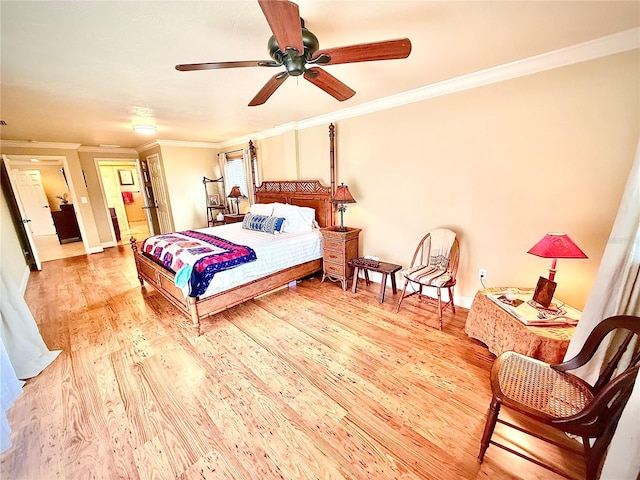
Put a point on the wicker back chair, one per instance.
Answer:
(435, 271)
(555, 397)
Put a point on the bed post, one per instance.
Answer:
(134, 246)
(252, 156)
(193, 312)
(332, 165)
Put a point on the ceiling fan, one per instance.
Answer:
(297, 49)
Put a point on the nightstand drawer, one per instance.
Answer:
(335, 245)
(335, 269)
(333, 256)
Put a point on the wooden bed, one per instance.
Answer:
(302, 193)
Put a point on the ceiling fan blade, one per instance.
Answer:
(364, 52)
(329, 83)
(187, 67)
(284, 20)
(268, 89)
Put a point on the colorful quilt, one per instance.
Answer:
(207, 254)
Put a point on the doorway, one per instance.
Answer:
(40, 187)
(125, 198)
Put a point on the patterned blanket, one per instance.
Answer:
(207, 254)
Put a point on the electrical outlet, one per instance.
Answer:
(482, 274)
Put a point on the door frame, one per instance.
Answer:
(12, 160)
(134, 160)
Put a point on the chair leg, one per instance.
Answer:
(489, 426)
(453, 306)
(439, 306)
(404, 290)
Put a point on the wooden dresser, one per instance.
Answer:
(337, 249)
(66, 224)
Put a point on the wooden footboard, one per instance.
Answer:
(163, 281)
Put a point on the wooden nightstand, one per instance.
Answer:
(337, 249)
(233, 218)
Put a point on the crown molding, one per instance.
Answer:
(147, 146)
(24, 144)
(127, 151)
(181, 143)
(601, 47)
(271, 132)
(591, 50)
(581, 52)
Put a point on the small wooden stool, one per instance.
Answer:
(367, 265)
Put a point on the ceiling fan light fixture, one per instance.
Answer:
(145, 129)
(295, 47)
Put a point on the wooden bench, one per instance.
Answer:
(367, 265)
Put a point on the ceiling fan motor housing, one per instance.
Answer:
(295, 64)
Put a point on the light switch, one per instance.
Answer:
(84, 200)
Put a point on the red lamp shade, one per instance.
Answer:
(342, 197)
(236, 193)
(556, 245)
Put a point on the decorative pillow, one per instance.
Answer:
(299, 219)
(263, 223)
(262, 209)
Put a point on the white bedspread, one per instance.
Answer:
(274, 253)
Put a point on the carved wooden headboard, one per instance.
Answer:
(304, 193)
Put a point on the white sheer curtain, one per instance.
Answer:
(10, 389)
(616, 291)
(222, 161)
(23, 353)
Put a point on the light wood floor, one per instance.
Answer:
(310, 382)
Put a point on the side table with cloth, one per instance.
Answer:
(501, 330)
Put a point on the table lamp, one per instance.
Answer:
(236, 193)
(342, 197)
(554, 246)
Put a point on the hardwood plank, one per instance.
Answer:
(305, 382)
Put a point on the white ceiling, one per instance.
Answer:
(84, 72)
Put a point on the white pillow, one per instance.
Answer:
(261, 209)
(299, 219)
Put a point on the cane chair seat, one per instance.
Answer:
(533, 384)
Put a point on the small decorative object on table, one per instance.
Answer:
(365, 262)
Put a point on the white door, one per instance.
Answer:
(34, 202)
(23, 216)
(160, 194)
(114, 195)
